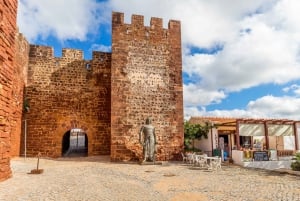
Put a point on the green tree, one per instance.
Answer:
(195, 131)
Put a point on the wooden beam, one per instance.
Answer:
(296, 136)
(266, 134)
(237, 135)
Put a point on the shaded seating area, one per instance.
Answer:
(268, 144)
(203, 161)
(267, 134)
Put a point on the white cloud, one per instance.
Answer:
(254, 50)
(204, 23)
(193, 95)
(280, 107)
(294, 88)
(260, 42)
(72, 19)
(192, 111)
(285, 16)
(101, 48)
(235, 113)
(265, 107)
(264, 49)
(263, 54)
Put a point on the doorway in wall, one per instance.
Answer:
(75, 143)
(225, 145)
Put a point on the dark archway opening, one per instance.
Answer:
(75, 143)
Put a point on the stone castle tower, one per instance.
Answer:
(146, 81)
(100, 103)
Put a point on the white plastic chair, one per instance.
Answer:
(217, 163)
(195, 159)
(184, 158)
(200, 160)
(190, 158)
(203, 162)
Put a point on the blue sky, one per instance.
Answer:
(240, 58)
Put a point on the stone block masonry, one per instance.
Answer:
(8, 13)
(146, 81)
(19, 83)
(108, 97)
(67, 93)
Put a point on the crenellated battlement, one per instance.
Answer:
(37, 51)
(41, 51)
(137, 21)
(48, 52)
(108, 96)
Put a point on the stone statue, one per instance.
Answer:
(147, 138)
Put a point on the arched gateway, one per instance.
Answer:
(110, 95)
(75, 143)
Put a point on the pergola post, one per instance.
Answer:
(237, 135)
(296, 136)
(266, 134)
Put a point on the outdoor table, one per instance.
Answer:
(200, 160)
(212, 161)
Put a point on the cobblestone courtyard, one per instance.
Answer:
(95, 178)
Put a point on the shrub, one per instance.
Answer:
(296, 164)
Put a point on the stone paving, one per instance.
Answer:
(95, 178)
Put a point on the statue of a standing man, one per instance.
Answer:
(147, 138)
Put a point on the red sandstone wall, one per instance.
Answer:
(8, 14)
(146, 81)
(66, 93)
(19, 82)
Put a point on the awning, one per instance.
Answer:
(251, 130)
(280, 130)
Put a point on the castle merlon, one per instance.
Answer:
(41, 51)
(117, 18)
(174, 25)
(72, 53)
(156, 23)
(138, 21)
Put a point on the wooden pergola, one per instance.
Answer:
(265, 122)
(232, 125)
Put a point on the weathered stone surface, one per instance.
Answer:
(66, 93)
(108, 97)
(146, 81)
(19, 83)
(8, 9)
